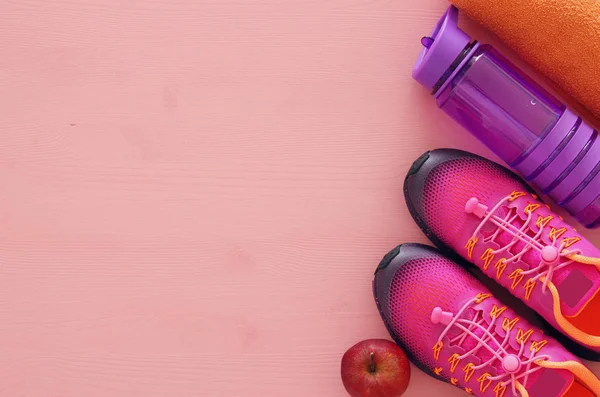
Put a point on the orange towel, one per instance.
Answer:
(560, 38)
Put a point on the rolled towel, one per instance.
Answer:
(560, 38)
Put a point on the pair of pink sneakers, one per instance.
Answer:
(482, 215)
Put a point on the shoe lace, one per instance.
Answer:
(517, 367)
(552, 256)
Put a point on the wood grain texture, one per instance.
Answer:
(195, 193)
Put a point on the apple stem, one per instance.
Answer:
(372, 363)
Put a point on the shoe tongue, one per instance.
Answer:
(484, 354)
(531, 257)
(542, 383)
(550, 383)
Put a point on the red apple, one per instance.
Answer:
(375, 368)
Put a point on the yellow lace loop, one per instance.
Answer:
(521, 389)
(566, 326)
(585, 260)
(581, 372)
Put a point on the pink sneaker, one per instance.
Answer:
(452, 328)
(483, 212)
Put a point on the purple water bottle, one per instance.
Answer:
(521, 122)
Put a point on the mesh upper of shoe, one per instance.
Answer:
(451, 184)
(416, 289)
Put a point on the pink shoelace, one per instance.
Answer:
(550, 254)
(517, 367)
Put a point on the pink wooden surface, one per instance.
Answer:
(195, 193)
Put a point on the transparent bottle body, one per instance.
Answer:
(529, 129)
(499, 105)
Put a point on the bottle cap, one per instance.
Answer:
(442, 48)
